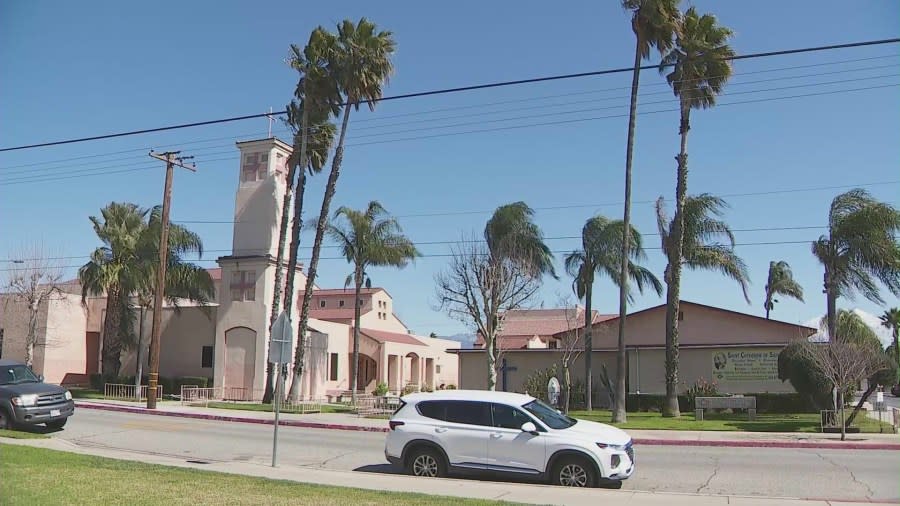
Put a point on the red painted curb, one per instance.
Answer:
(770, 444)
(638, 441)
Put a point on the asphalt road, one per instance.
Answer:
(801, 473)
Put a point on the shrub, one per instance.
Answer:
(451, 386)
(536, 383)
(795, 366)
(381, 389)
(701, 388)
(409, 389)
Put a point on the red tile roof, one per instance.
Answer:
(346, 291)
(521, 325)
(331, 314)
(391, 337)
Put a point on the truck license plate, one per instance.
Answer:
(54, 412)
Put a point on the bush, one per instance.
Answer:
(409, 389)
(451, 386)
(701, 388)
(795, 367)
(536, 383)
(381, 389)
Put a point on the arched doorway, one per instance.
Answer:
(240, 362)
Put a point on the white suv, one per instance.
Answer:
(458, 430)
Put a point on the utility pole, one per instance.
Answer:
(172, 159)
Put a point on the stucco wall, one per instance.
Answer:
(65, 349)
(181, 345)
(14, 322)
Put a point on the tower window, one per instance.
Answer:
(243, 285)
(340, 303)
(254, 167)
(322, 303)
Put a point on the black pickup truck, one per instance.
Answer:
(26, 400)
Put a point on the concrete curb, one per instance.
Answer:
(817, 445)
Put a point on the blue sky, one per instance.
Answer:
(79, 69)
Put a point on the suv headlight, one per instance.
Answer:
(68, 395)
(25, 400)
(620, 448)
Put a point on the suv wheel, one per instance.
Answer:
(424, 461)
(574, 472)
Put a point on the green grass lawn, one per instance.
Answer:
(39, 476)
(247, 406)
(85, 393)
(20, 434)
(801, 422)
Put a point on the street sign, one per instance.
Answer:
(282, 340)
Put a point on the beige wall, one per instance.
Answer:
(65, 349)
(257, 210)
(701, 325)
(181, 344)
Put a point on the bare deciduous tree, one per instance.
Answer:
(571, 344)
(32, 280)
(478, 288)
(844, 365)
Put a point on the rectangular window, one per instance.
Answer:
(243, 285)
(340, 303)
(322, 303)
(333, 367)
(1, 343)
(437, 369)
(254, 167)
(206, 359)
(469, 413)
(681, 316)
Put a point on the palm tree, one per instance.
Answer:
(780, 282)
(184, 280)
(654, 23)
(113, 271)
(891, 319)
(701, 64)
(601, 248)
(308, 117)
(125, 267)
(860, 247)
(699, 250)
(368, 238)
(359, 63)
(511, 234)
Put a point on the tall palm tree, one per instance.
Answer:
(700, 249)
(781, 282)
(368, 238)
(654, 23)
(308, 118)
(359, 62)
(859, 248)
(601, 248)
(700, 65)
(891, 319)
(113, 270)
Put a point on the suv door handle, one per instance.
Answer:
(496, 435)
(440, 429)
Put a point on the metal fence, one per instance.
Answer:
(124, 392)
(196, 396)
(371, 406)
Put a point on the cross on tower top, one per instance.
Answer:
(271, 119)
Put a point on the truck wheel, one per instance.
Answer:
(57, 424)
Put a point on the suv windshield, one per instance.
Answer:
(14, 374)
(551, 417)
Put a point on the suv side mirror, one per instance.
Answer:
(530, 428)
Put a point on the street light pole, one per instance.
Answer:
(172, 159)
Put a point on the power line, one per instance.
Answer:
(450, 90)
(447, 255)
(484, 105)
(41, 178)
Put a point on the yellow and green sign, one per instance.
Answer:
(745, 365)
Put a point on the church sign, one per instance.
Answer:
(745, 365)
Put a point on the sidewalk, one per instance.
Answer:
(343, 421)
(513, 492)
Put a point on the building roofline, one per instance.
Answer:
(280, 143)
(631, 347)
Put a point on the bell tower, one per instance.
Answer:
(257, 207)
